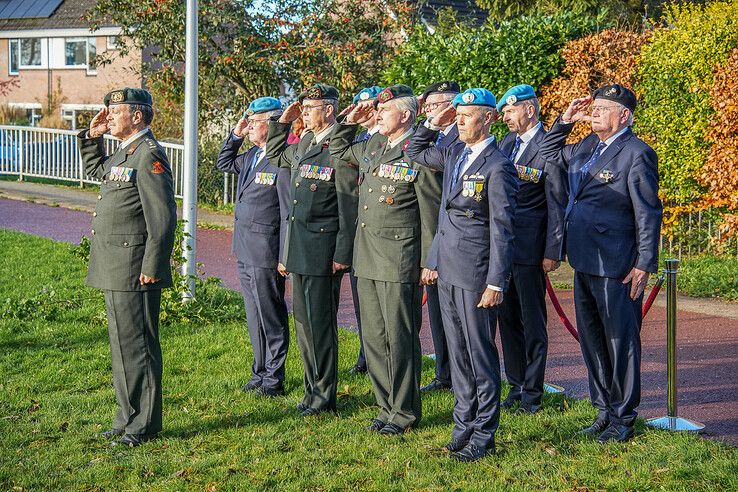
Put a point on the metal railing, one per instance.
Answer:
(54, 154)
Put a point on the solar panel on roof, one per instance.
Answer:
(28, 9)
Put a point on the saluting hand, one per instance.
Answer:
(240, 130)
(145, 279)
(361, 113)
(347, 110)
(99, 124)
(638, 280)
(490, 298)
(292, 112)
(577, 110)
(444, 118)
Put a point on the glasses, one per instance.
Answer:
(601, 109)
(305, 108)
(261, 120)
(434, 106)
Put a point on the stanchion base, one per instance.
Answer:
(552, 388)
(675, 424)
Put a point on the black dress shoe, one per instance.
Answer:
(357, 369)
(269, 392)
(509, 403)
(391, 429)
(376, 426)
(472, 452)
(596, 428)
(301, 407)
(309, 411)
(133, 440)
(251, 386)
(436, 385)
(527, 409)
(455, 445)
(615, 432)
(110, 433)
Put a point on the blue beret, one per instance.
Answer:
(474, 97)
(262, 105)
(367, 93)
(521, 92)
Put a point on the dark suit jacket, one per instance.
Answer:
(474, 244)
(396, 217)
(134, 220)
(322, 213)
(613, 216)
(539, 226)
(260, 223)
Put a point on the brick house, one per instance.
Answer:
(46, 45)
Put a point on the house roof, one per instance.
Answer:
(70, 14)
(466, 10)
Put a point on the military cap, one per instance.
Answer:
(262, 105)
(367, 93)
(618, 94)
(521, 92)
(393, 92)
(319, 91)
(475, 97)
(445, 87)
(128, 95)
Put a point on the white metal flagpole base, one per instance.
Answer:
(675, 424)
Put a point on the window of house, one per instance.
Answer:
(80, 52)
(13, 56)
(113, 43)
(30, 52)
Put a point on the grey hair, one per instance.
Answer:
(407, 103)
(147, 112)
(630, 114)
(331, 102)
(536, 105)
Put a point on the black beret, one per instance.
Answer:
(319, 91)
(447, 86)
(618, 94)
(393, 92)
(128, 95)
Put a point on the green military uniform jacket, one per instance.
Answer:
(135, 217)
(322, 215)
(398, 207)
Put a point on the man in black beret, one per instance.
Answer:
(612, 225)
(132, 239)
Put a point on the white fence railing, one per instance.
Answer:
(54, 154)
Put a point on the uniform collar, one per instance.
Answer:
(134, 137)
(404, 137)
(319, 137)
(528, 136)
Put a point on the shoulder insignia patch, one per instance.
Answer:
(157, 168)
(404, 147)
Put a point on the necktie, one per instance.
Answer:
(459, 164)
(253, 162)
(593, 159)
(516, 148)
(439, 138)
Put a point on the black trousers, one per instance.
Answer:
(523, 333)
(266, 314)
(133, 329)
(609, 325)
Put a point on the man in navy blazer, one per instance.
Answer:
(538, 230)
(612, 224)
(473, 254)
(435, 99)
(258, 234)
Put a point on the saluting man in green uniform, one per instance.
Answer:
(132, 238)
(398, 203)
(319, 242)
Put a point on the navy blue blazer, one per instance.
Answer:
(261, 208)
(539, 215)
(473, 247)
(613, 215)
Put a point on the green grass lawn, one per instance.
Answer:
(56, 393)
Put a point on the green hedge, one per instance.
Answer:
(675, 74)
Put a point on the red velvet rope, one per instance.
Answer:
(572, 329)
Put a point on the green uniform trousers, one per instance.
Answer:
(315, 307)
(133, 328)
(390, 323)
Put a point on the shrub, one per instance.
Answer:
(607, 57)
(674, 79)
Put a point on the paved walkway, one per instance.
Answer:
(708, 329)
